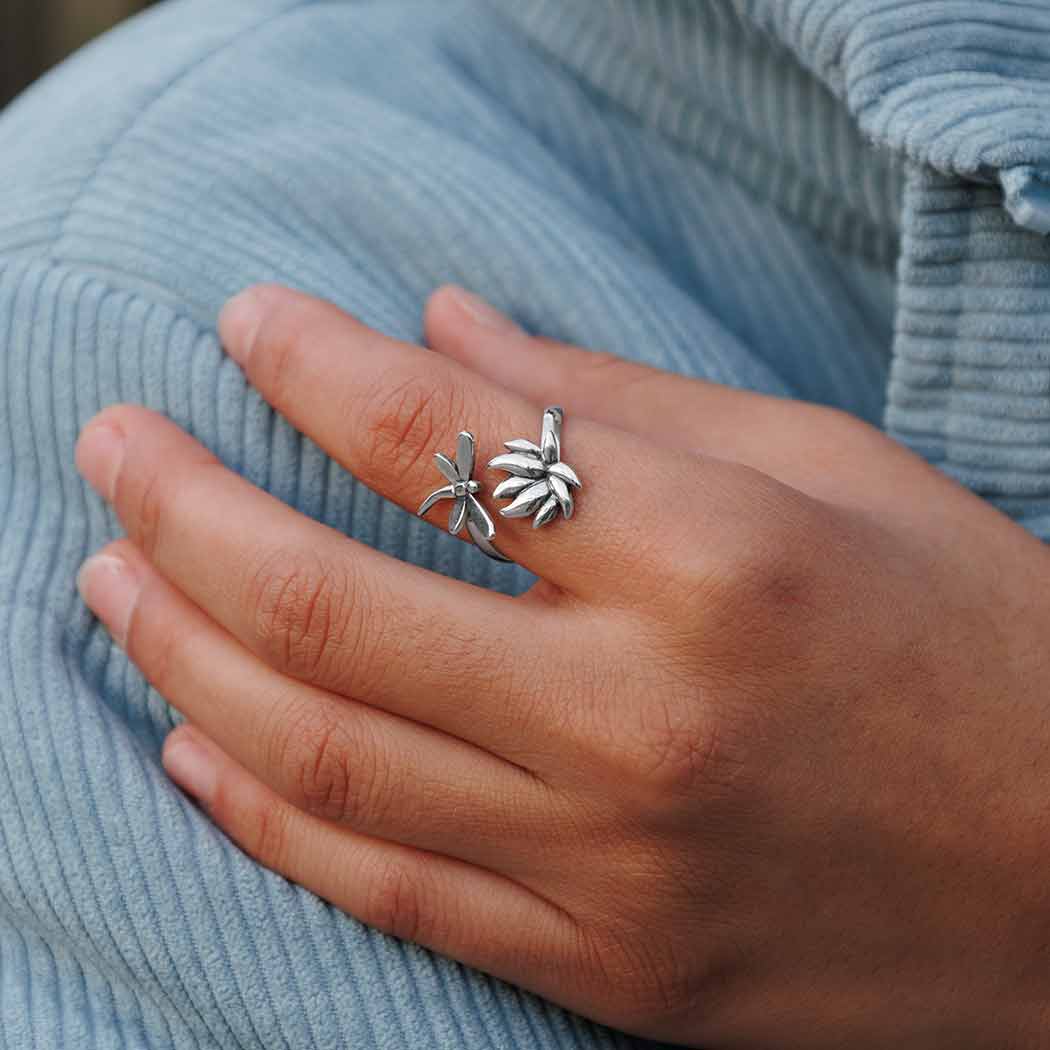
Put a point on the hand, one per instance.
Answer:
(763, 760)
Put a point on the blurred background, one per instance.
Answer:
(35, 34)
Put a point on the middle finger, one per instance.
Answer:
(339, 760)
(321, 607)
(383, 409)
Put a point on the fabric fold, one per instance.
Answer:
(910, 132)
(962, 86)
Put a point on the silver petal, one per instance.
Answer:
(528, 501)
(550, 441)
(483, 544)
(520, 464)
(562, 494)
(458, 515)
(566, 473)
(465, 454)
(521, 445)
(447, 467)
(548, 512)
(511, 487)
(477, 514)
(448, 492)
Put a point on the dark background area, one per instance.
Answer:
(35, 34)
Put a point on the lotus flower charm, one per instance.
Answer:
(464, 490)
(539, 480)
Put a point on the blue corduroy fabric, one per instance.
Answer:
(835, 200)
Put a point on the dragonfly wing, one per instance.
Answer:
(465, 455)
(447, 467)
(446, 493)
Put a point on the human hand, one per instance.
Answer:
(763, 760)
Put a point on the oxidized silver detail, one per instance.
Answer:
(539, 481)
(461, 487)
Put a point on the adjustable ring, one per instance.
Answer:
(461, 487)
(539, 481)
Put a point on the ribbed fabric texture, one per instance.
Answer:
(954, 93)
(836, 201)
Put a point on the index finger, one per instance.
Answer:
(383, 409)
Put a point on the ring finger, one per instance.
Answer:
(336, 759)
(318, 606)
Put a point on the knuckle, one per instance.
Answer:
(604, 361)
(332, 772)
(657, 741)
(301, 608)
(266, 832)
(682, 738)
(766, 573)
(397, 901)
(308, 745)
(631, 384)
(158, 499)
(676, 755)
(151, 512)
(764, 578)
(406, 422)
(290, 331)
(615, 373)
(162, 651)
(652, 984)
(671, 752)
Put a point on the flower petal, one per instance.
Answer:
(465, 455)
(458, 515)
(447, 467)
(528, 501)
(565, 472)
(511, 487)
(562, 494)
(477, 514)
(520, 464)
(548, 512)
(446, 493)
(521, 445)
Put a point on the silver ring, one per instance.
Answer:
(539, 480)
(461, 487)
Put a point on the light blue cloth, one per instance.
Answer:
(836, 200)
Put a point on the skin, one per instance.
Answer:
(763, 760)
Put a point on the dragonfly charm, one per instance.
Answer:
(463, 490)
(539, 481)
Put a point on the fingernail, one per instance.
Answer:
(110, 588)
(239, 323)
(191, 767)
(484, 313)
(98, 455)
